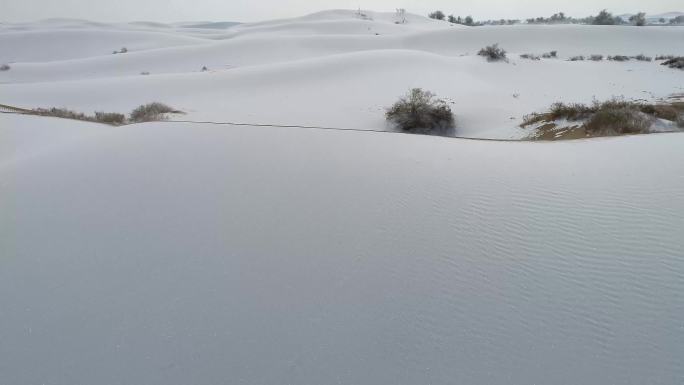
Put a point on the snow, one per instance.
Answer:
(186, 253)
(175, 253)
(330, 68)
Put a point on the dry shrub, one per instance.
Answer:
(420, 112)
(151, 112)
(493, 53)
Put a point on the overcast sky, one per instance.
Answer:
(254, 10)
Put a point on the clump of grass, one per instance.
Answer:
(612, 117)
(151, 112)
(577, 58)
(493, 53)
(618, 58)
(596, 57)
(113, 118)
(420, 112)
(609, 121)
(5, 67)
(677, 62)
(664, 57)
(529, 56)
(549, 55)
(642, 57)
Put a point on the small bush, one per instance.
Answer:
(123, 50)
(577, 58)
(493, 53)
(549, 55)
(677, 62)
(151, 112)
(596, 57)
(642, 57)
(145, 73)
(529, 56)
(205, 69)
(110, 118)
(437, 15)
(618, 58)
(5, 67)
(664, 57)
(420, 112)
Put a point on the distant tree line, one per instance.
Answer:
(602, 18)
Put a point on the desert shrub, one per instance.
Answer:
(420, 112)
(529, 56)
(110, 118)
(596, 57)
(664, 57)
(549, 55)
(677, 62)
(604, 18)
(642, 57)
(437, 15)
(493, 53)
(123, 50)
(151, 112)
(617, 121)
(5, 67)
(144, 73)
(577, 58)
(618, 58)
(639, 19)
(205, 69)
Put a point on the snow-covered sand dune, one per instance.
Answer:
(171, 253)
(313, 61)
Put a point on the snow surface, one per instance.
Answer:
(178, 253)
(331, 68)
(174, 253)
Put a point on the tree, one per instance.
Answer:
(437, 15)
(662, 20)
(677, 20)
(452, 19)
(469, 20)
(604, 18)
(639, 19)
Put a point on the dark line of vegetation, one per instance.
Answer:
(145, 113)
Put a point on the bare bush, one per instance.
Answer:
(529, 56)
(665, 57)
(151, 112)
(5, 67)
(113, 118)
(642, 57)
(549, 55)
(618, 58)
(596, 57)
(437, 15)
(577, 58)
(493, 53)
(677, 62)
(420, 112)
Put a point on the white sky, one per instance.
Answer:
(253, 10)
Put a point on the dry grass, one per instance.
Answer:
(618, 58)
(530, 56)
(596, 57)
(612, 117)
(642, 57)
(151, 112)
(577, 58)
